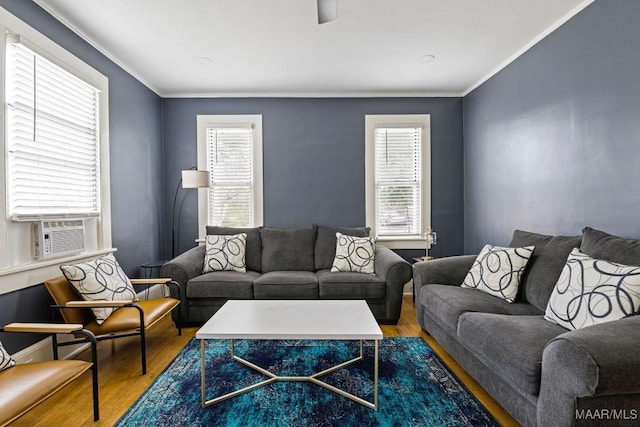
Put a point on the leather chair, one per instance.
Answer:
(129, 319)
(24, 386)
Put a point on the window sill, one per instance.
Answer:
(36, 272)
(400, 243)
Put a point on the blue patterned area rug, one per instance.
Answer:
(415, 388)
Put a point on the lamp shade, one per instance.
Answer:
(195, 179)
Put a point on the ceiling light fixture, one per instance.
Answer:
(425, 59)
(327, 11)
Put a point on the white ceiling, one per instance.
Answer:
(277, 48)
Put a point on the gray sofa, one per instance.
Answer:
(287, 264)
(540, 372)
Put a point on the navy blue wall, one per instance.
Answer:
(552, 143)
(136, 169)
(314, 160)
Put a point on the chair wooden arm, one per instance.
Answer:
(153, 281)
(29, 384)
(44, 328)
(95, 304)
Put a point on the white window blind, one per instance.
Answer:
(230, 163)
(52, 139)
(398, 181)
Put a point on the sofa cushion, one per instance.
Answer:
(545, 265)
(497, 271)
(288, 250)
(592, 291)
(325, 246)
(601, 245)
(446, 303)
(222, 284)
(225, 253)
(510, 346)
(287, 285)
(253, 254)
(348, 285)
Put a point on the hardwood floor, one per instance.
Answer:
(121, 382)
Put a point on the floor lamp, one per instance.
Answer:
(191, 178)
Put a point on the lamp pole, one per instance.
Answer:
(190, 178)
(173, 220)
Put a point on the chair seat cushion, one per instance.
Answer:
(349, 285)
(446, 303)
(510, 346)
(286, 285)
(24, 386)
(222, 284)
(128, 318)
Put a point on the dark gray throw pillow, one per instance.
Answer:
(253, 254)
(545, 265)
(287, 250)
(325, 248)
(600, 245)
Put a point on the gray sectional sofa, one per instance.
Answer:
(287, 264)
(540, 372)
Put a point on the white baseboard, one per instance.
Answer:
(408, 288)
(43, 350)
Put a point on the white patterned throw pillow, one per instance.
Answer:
(225, 253)
(6, 361)
(592, 291)
(100, 280)
(497, 271)
(354, 254)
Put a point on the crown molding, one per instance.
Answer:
(363, 94)
(332, 94)
(113, 58)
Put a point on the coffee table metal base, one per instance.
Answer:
(273, 377)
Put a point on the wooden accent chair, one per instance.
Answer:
(24, 386)
(129, 319)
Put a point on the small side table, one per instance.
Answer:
(149, 268)
(419, 259)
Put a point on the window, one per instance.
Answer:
(54, 141)
(52, 138)
(398, 178)
(230, 147)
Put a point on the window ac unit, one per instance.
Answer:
(58, 238)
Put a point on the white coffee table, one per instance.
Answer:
(292, 319)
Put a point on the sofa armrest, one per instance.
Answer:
(390, 266)
(600, 360)
(185, 266)
(395, 271)
(181, 269)
(442, 271)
